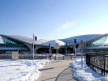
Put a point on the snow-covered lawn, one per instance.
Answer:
(85, 73)
(21, 70)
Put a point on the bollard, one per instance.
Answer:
(63, 57)
(71, 57)
(55, 57)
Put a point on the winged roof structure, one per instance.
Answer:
(29, 39)
(25, 42)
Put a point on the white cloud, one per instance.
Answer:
(102, 24)
(101, 27)
(65, 26)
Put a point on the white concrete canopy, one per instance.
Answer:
(53, 42)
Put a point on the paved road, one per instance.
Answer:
(57, 70)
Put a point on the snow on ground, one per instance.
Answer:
(20, 70)
(85, 73)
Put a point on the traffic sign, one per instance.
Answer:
(56, 45)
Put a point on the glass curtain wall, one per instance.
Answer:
(12, 43)
(97, 42)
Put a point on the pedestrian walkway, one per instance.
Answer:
(65, 75)
(57, 70)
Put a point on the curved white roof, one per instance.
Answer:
(29, 39)
(53, 42)
(80, 37)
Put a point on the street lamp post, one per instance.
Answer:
(66, 48)
(75, 47)
(49, 49)
(33, 45)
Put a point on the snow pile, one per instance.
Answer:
(85, 73)
(53, 42)
(21, 70)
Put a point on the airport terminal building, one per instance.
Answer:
(24, 44)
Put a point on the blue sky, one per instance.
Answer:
(53, 19)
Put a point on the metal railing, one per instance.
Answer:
(98, 62)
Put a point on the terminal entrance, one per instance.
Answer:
(67, 50)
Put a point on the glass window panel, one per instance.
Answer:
(97, 42)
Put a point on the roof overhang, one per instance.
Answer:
(10, 48)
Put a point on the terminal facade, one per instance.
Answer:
(24, 44)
